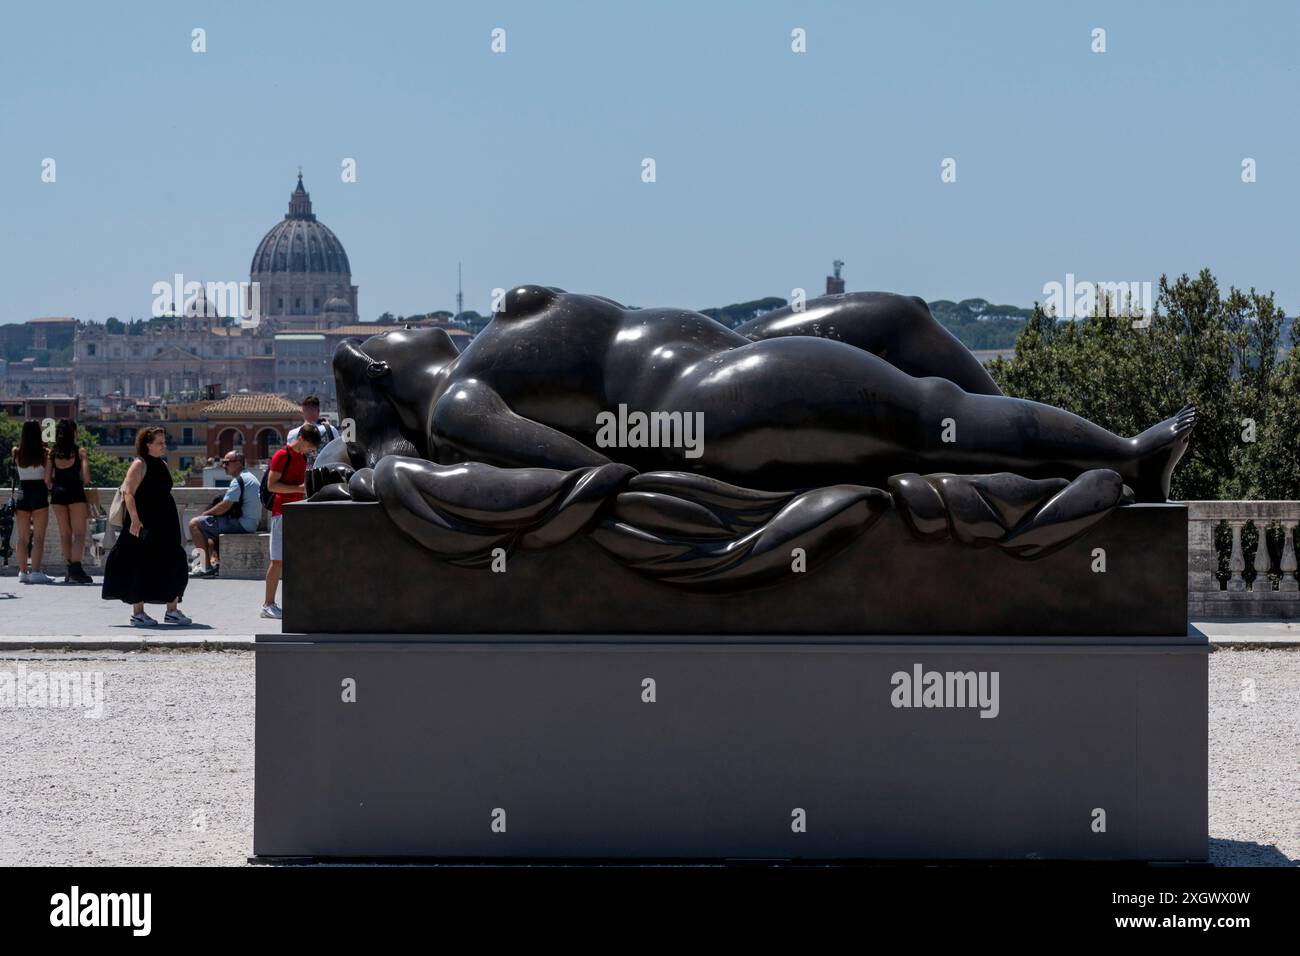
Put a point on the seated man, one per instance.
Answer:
(238, 512)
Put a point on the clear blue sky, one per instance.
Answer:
(527, 165)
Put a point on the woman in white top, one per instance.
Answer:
(33, 502)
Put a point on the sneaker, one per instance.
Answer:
(272, 610)
(143, 620)
(39, 577)
(79, 575)
(24, 577)
(177, 617)
(211, 572)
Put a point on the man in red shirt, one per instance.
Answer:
(286, 476)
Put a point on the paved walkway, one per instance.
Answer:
(225, 613)
(1250, 632)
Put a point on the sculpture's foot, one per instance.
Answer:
(1159, 450)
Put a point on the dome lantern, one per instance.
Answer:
(300, 203)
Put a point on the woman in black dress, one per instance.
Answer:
(147, 564)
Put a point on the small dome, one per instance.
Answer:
(201, 307)
(337, 304)
(299, 243)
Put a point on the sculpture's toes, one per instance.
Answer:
(332, 492)
(362, 485)
(324, 476)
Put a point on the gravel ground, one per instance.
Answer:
(166, 776)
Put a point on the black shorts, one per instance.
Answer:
(32, 495)
(67, 494)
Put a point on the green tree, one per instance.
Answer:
(473, 321)
(739, 313)
(10, 431)
(1218, 352)
(105, 470)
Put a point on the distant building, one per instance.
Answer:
(256, 423)
(186, 427)
(303, 366)
(20, 379)
(305, 285)
(36, 338)
(52, 333)
(834, 283)
(51, 406)
(171, 359)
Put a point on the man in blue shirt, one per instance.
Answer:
(238, 512)
(311, 415)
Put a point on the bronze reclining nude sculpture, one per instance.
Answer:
(806, 418)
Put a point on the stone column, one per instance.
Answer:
(1237, 562)
(1288, 566)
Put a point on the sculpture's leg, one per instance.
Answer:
(974, 433)
(897, 328)
(470, 422)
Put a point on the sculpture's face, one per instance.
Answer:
(385, 384)
(407, 367)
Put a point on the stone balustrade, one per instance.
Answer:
(99, 538)
(1224, 579)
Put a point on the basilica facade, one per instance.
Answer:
(304, 283)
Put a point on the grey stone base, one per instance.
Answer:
(884, 582)
(464, 748)
(245, 557)
(1263, 603)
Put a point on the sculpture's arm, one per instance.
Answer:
(471, 422)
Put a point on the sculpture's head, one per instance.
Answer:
(385, 384)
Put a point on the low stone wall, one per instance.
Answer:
(1253, 584)
(99, 538)
(1257, 583)
(245, 556)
